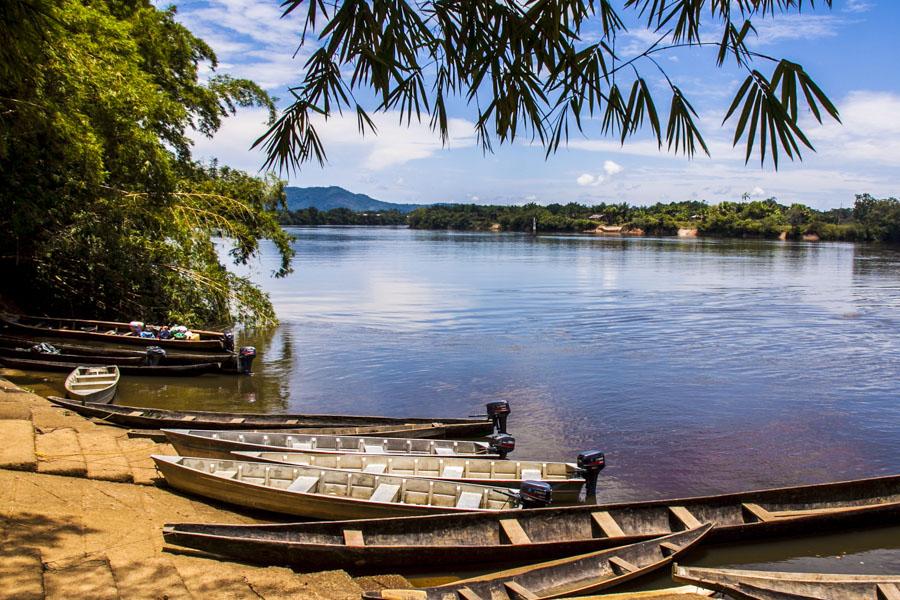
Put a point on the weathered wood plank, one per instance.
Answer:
(685, 516)
(758, 511)
(888, 591)
(520, 591)
(354, 537)
(623, 564)
(513, 530)
(605, 521)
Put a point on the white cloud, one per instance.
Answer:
(870, 132)
(585, 179)
(611, 168)
(803, 26)
(857, 6)
(757, 192)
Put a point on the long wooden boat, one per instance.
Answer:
(326, 494)
(564, 577)
(210, 443)
(108, 351)
(84, 359)
(34, 364)
(565, 479)
(549, 532)
(93, 384)
(107, 332)
(775, 585)
(157, 418)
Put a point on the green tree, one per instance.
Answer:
(529, 69)
(103, 208)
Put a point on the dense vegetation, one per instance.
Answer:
(103, 210)
(341, 216)
(870, 219)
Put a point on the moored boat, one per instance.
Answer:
(566, 479)
(108, 351)
(210, 443)
(331, 494)
(111, 332)
(93, 384)
(34, 364)
(776, 585)
(157, 418)
(561, 578)
(549, 532)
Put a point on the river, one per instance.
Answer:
(699, 366)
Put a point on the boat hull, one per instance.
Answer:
(27, 364)
(214, 341)
(152, 418)
(478, 539)
(313, 506)
(93, 384)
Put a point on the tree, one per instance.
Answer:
(103, 209)
(528, 68)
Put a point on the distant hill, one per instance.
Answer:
(327, 198)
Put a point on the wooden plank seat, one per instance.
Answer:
(353, 537)
(136, 413)
(375, 468)
(452, 472)
(188, 418)
(303, 484)
(519, 591)
(607, 524)
(757, 511)
(670, 547)
(226, 473)
(237, 420)
(443, 451)
(373, 448)
(685, 516)
(385, 492)
(467, 594)
(887, 591)
(622, 564)
(513, 530)
(469, 500)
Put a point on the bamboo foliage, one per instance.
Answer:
(530, 69)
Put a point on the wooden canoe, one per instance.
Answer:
(84, 359)
(34, 364)
(325, 494)
(210, 443)
(564, 577)
(548, 532)
(93, 384)
(106, 332)
(564, 478)
(775, 585)
(157, 418)
(67, 347)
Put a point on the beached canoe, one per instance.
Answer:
(561, 578)
(775, 585)
(550, 532)
(210, 443)
(82, 359)
(157, 418)
(327, 494)
(93, 384)
(108, 351)
(107, 332)
(566, 479)
(41, 364)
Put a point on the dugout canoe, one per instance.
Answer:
(34, 364)
(173, 357)
(209, 443)
(156, 418)
(561, 578)
(326, 494)
(93, 384)
(106, 332)
(550, 532)
(565, 479)
(776, 585)
(82, 359)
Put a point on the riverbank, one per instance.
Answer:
(81, 517)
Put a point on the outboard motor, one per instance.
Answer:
(228, 341)
(498, 412)
(535, 494)
(245, 359)
(590, 464)
(155, 354)
(502, 443)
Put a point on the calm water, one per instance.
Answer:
(698, 366)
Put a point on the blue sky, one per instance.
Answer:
(851, 51)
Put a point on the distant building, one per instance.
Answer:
(596, 217)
